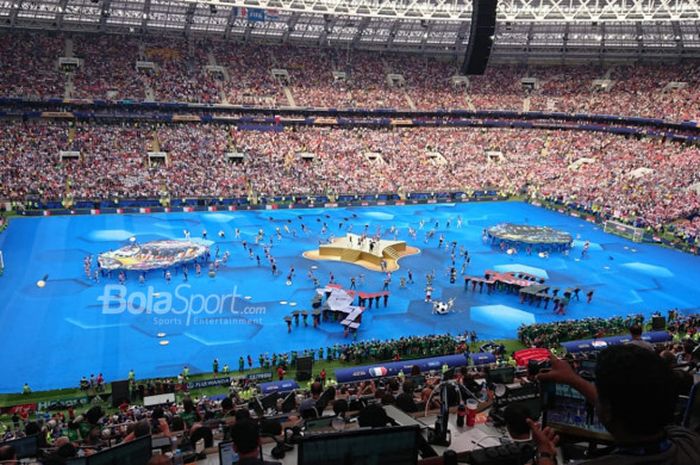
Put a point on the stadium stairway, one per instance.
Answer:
(71, 137)
(68, 48)
(385, 65)
(147, 89)
(154, 145)
(349, 255)
(608, 72)
(470, 104)
(290, 97)
(230, 144)
(526, 103)
(223, 95)
(409, 100)
(391, 253)
(68, 86)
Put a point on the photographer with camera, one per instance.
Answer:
(634, 395)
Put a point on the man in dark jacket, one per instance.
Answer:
(634, 396)
(246, 443)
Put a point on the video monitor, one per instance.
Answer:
(502, 375)
(691, 419)
(568, 412)
(396, 445)
(136, 452)
(256, 406)
(25, 448)
(588, 365)
(312, 425)
(270, 401)
(227, 456)
(289, 403)
(77, 461)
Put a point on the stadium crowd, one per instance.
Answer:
(29, 66)
(646, 182)
(65, 433)
(368, 351)
(665, 370)
(551, 335)
(108, 70)
(330, 78)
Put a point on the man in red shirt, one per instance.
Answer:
(280, 373)
(124, 406)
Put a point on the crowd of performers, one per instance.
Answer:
(260, 250)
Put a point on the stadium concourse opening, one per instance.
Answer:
(234, 305)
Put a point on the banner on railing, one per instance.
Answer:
(59, 404)
(18, 409)
(205, 383)
(483, 358)
(278, 386)
(349, 375)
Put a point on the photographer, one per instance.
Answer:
(634, 396)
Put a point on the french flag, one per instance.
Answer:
(378, 372)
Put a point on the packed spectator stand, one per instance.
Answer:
(646, 182)
(34, 66)
(209, 71)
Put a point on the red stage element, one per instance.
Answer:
(522, 357)
(492, 277)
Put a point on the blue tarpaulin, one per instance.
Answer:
(350, 375)
(278, 386)
(483, 358)
(585, 345)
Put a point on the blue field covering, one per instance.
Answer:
(53, 336)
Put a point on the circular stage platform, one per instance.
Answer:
(521, 236)
(153, 255)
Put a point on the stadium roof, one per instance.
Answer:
(539, 28)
